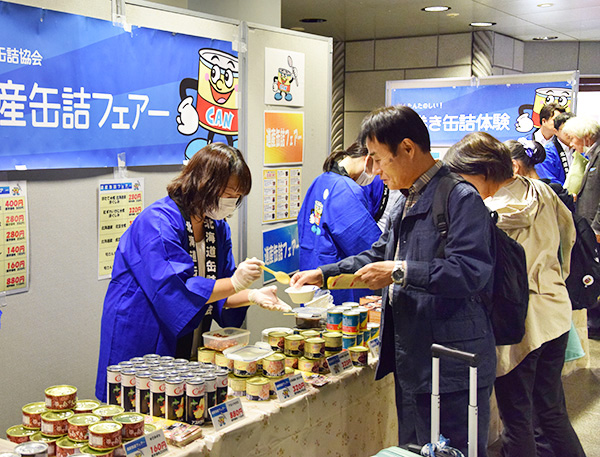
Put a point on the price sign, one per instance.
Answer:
(227, 413)
(289, 388)
(374, 346)
(150, 445)
(339, 363)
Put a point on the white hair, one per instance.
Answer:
(582, 127)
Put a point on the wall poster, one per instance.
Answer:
(14, 237)
(284, 138)
(282, 191)
(284, 77)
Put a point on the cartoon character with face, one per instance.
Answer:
(282, 84)
(216, 109)
(315, 217)
(544, 95)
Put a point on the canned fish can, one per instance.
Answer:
(78, 426)
(221, 375)
(258, 389)
(59, 398)
(272, 388)
(151, 357)
(85, 406)
(96, 453)
(350, 322)
(244, 368)
(293, 345)
(363, 319)
(32, 449)
(309, 334)
(113, 384)
(195, 401)
(133, 425)
(180, 362)
(308, 365)
(49, 440)
(166, 359)
(32, 413)
(157, 395)
(105, 435)
(350, 304)
(291, 362)
(206, 355)
(19, 434)
(348, 341)
(334, 319)
(314, 348)
(175, 393)
(149, 428)
(359, 338)
(359, 356)
(66, 447)
(237, 385)
(119, 451)
(210, 382)
(128, 389)
(193, 365)
(276, 340)
(274, 365)
(107, 412)
(374, 327)
(222, 361)
(54, 423)
(333, 342)
(137, 361)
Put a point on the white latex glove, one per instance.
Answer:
(267, 298)
(246, 273)
(187, 120)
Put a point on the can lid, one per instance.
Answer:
(86, 405)
(129, 418)
(57, 415)
(335, 310)
(32, 447)
(35, 408)
(257, 381)
(358, 349)
(19, 430)
(38, 436)
(55, 391)
(113, 368)
(149, 428)
(315, 340)
(351, 312)
(332, 335)
(84, 419)
(293, 337)
(277, 356)
(66, 443)
(105, 427)
(196, 380)
(86, 449)
(277, 334)
(108, 410)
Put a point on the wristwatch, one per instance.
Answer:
(398, 273)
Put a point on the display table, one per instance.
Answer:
(352, 416)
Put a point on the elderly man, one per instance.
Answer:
(426, 299)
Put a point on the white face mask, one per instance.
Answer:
(364, 179)
(226, 208)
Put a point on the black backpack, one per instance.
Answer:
(507, 307)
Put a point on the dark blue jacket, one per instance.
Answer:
(441, 301)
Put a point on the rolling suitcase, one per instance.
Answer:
(438, 445)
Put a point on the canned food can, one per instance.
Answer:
(350, 322)
(19, 434)
(359, 356)
(107, 412)
(142, 392)
(195, 401)
(133, 425)
(206, 355)
(291, 362)
(258, 389)
(309, 365)
(350, 304)
(272, 388)
(113, 384)
(59, 398)
(276, 340)
(309, 334)
(210, 382)
(137, 361)
(180, 362)
(128, 389)
(363, 319)
(333, 342)
(237, 385)
(66, 447)
(105, 435)
(374, 327)
(359, 338)
(54, 423)
(78, 426)
(244, 368)
(32, 449)
(221, 375)
(293, 345)
(323, 366)
(157, 395)
(151, 357)
(222, 361)
(274, 365)
(85, 406)
(119, 451)
(314, 348)
(193, 365)
(49, 440)
(96, 453)
(175, 393)
(334, 319)
(32, 413)
(348, 341)
(166, 359)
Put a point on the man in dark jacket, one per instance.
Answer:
(426, 299)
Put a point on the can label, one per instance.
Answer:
(195, 409)
(157, 403)
(142, 401)
(350, 322)
(363, 319)
(348, 341)
(334, 320)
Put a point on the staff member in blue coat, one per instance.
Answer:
(426, 299)
(335, 220)
(174, 267)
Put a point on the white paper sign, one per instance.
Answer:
(227, 413)
(339, 363)
(150, 445)
(374, 346)
(289, 388)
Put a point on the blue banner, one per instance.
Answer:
(281, 250)
(506, 111)
(77, 91)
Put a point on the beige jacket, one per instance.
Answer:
(531, 213)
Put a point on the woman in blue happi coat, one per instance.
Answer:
(174, 266)
(336, 219)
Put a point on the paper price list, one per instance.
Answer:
(13, 237)
(282, 190)
(120, 201)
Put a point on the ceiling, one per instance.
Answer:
(351, 20)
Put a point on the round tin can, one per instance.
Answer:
(258, 389)
(274, 365)
(348, 341)
(293, 345)
(221, 375)
(309, 365)
(19, 434)
(175, 393)
(50, 441)
(32, 449)
(206, 355)
(314, 348)
(166, 359)
(66, 447)
(244, 369)
(350, 304)
(119, 451)
(149, 428)
(334, 319)
(107, 412)
(350, 322)
(32, 415)
(85, 406)
(363, 319)
(113, 384)
(210, 383)
(180, 362)
(291, 362)
(359, 338)
(324, 367)
(194, 364)
(54, 423)
(276, 340)
(374, 327)
(142, 392)
(222, 361)
(157, 395)
(151, 357)
(137, 361)
(128, 389)
(333, 342)
(272, 388)
(359, 356)
(133, 425)
(309, 334)
(78, 426)
(96, 453)
(237, 385)
(195, 401)
(105, 435)
(59, 398)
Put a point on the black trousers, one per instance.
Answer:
(534, 387)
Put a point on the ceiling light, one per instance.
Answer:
(313, 20)
(435, 9)
(545, 38)
(482, 24)
(545, 5)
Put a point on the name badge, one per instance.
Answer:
(339, 363)
(289, 388)
(227, 413)
(150, 445)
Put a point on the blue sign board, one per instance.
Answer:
(281, 250)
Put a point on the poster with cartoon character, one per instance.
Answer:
(284, 77)
(529, 114)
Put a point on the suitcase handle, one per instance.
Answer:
(438, 350)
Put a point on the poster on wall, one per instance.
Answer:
(76, 91)
(281, 250)
(284, 77)
(506, 110)
(284, 138)
(119, 202)
(282, 191)
(14, 237)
